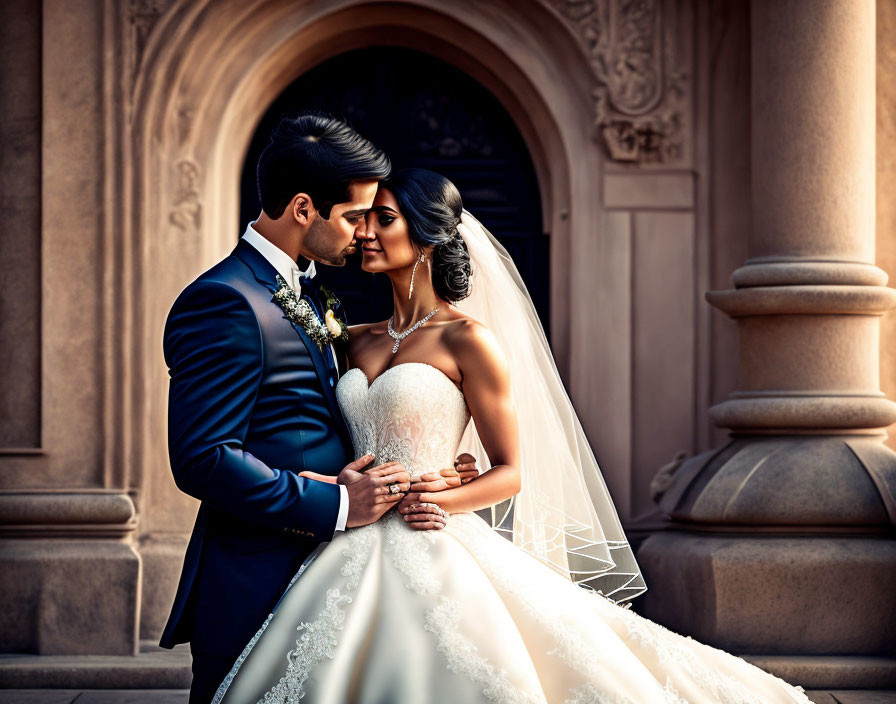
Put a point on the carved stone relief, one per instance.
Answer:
(640, 75)
(142, 17)
(640, 78)
(186, 213)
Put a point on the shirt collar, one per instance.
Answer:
(279, 259)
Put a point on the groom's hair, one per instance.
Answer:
(318, 155)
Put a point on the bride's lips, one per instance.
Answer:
(370, 250)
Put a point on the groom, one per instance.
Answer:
(252, 350)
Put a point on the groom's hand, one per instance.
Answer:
(353, 471)
(368, 493)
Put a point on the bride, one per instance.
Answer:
(432, 603)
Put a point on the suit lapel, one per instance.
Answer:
(266, 274)
(338, 361)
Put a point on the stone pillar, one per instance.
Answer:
(781, 542)
(69, 573)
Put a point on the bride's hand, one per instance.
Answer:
(421, 515)
(466, 467)
(464, 470)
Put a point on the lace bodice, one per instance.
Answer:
(412, 413)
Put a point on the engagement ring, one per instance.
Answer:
(394, 488)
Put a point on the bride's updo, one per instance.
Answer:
(432, 206)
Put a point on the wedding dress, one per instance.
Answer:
(384, 614)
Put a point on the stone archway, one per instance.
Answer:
(204, 74)
(423, 112)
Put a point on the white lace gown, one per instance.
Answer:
(384, 614)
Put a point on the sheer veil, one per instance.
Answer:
(563, 514)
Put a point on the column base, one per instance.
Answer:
(71, 596)
(774, 595)
(163, 560)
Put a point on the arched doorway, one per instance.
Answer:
(208, 75)
(425, 113)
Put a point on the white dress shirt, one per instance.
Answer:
(289, 270)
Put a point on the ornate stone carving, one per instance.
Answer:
(640, 79)
(143, 16)
(187, 211)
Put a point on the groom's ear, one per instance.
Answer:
(303, 209)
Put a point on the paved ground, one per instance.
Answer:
(178, 696)
(162, 676)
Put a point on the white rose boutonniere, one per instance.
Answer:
(332, 324)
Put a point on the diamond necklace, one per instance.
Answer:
(399, 336)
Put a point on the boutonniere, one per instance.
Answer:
(299, 312)
(333, 306)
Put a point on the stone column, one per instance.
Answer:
(69, 573)
(781, 543)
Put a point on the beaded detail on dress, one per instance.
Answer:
(411, 413)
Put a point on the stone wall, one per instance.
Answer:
(886, 188)
(126, 125)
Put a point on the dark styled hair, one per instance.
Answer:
(432, 206)
(318, 155)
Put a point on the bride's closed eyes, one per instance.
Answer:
(384, 215)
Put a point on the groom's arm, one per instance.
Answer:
(213, 349)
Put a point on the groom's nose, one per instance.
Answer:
(361, 232)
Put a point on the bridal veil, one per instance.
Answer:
(563, 514)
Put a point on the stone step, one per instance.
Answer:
(161, 669)
(830, 671)
(97, 696)
(154, 668)
(170, 696)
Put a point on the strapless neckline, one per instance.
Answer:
(371, 384)
(408, 416)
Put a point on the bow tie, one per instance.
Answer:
(300, 280)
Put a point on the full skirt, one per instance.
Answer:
(383, 614)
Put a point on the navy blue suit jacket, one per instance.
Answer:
(252, 403)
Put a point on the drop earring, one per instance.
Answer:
(413, 273)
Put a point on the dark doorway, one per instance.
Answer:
(424, 113)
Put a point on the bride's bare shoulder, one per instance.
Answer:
(362, 334)
(471, 342)
(362, 328)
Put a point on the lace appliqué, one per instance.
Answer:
(228, 680)
(319, 638)
(463, 658)
(356, 552)
(410, 554)
(672, 695)
(388, 419)
(589, 694)
(316, 643)
(670, 646)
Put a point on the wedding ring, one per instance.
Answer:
(394, 488)
(442, 512)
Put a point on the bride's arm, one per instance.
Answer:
(486, 386)
(328, 478)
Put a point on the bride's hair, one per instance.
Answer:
(432, 206)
